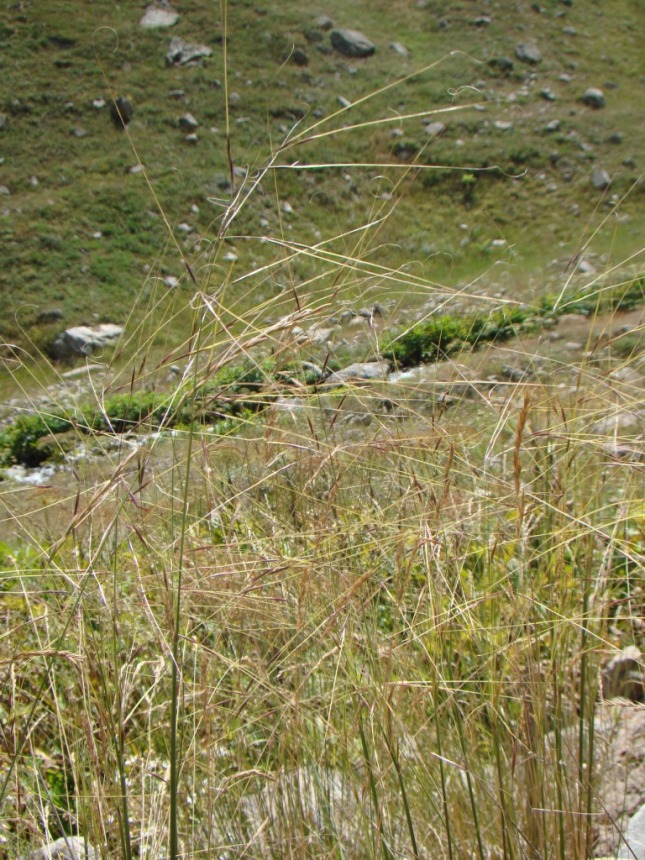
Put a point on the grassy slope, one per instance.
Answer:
(64, 55)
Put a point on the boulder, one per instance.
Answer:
(69, 848)
(180, 53)
(594, 98)
(157, 16)
(528, 52)
(352, 43)
(84, 340)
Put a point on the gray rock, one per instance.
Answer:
(324, 22)
(187, 122)
(352, 43)
(482, 21)
(49, 316)
(121, 111)
(634, 837)
(434, 128)
(528, 52)
(157, 16)
(594, 98)
(84, 340)
(180, 53)
(600, 179)
(502, 64)
(623, 676)
(299, 57)
(366, 371)
(400, 49)
(548, 94)
(70, 848)
(552, 126)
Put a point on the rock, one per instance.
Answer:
(634, 837)
(623, 423)
(69, 848)
(623, 676)
(191, 139)
(399, 49)
(159, 16)
(187, 122)
(49, 316)
(503, 125)
(121, 111)
(4, 191)
(367, 371)
(434, 128)
(600, 179)
(594, 98)
(352, 43)
(547, 94)
(84, 340)
(552, 126)
(482, 21)
(502, 64)
(299, 57)
(324, 22)
(180, 53)
(528, 52)
(615, 138)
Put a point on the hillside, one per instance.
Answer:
(86, 230)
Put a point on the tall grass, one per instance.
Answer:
(358, 621)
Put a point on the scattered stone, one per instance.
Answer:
(616, 138)
(4, 191)
(622, 423)
(98, 103)
(600, 179)
(343, 102)
(503, 125)
(159, 16)
(68, 848)
(623, 676)
(586, 268)
(171, 281)
(552, 126)
(79, 132)
(84, 340)
(528, 52)
(187, 122)
(180, 53)
(191, 139)
(136, 168)
(482, 21)
(324, 22)
(594, 98)
(299, 57)
(287, 208)
(400, 49)
(434, 128)
(368, 371)
(352, 43)
(49, 316)
(548, 94)
(121, 112)
(502, 64)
